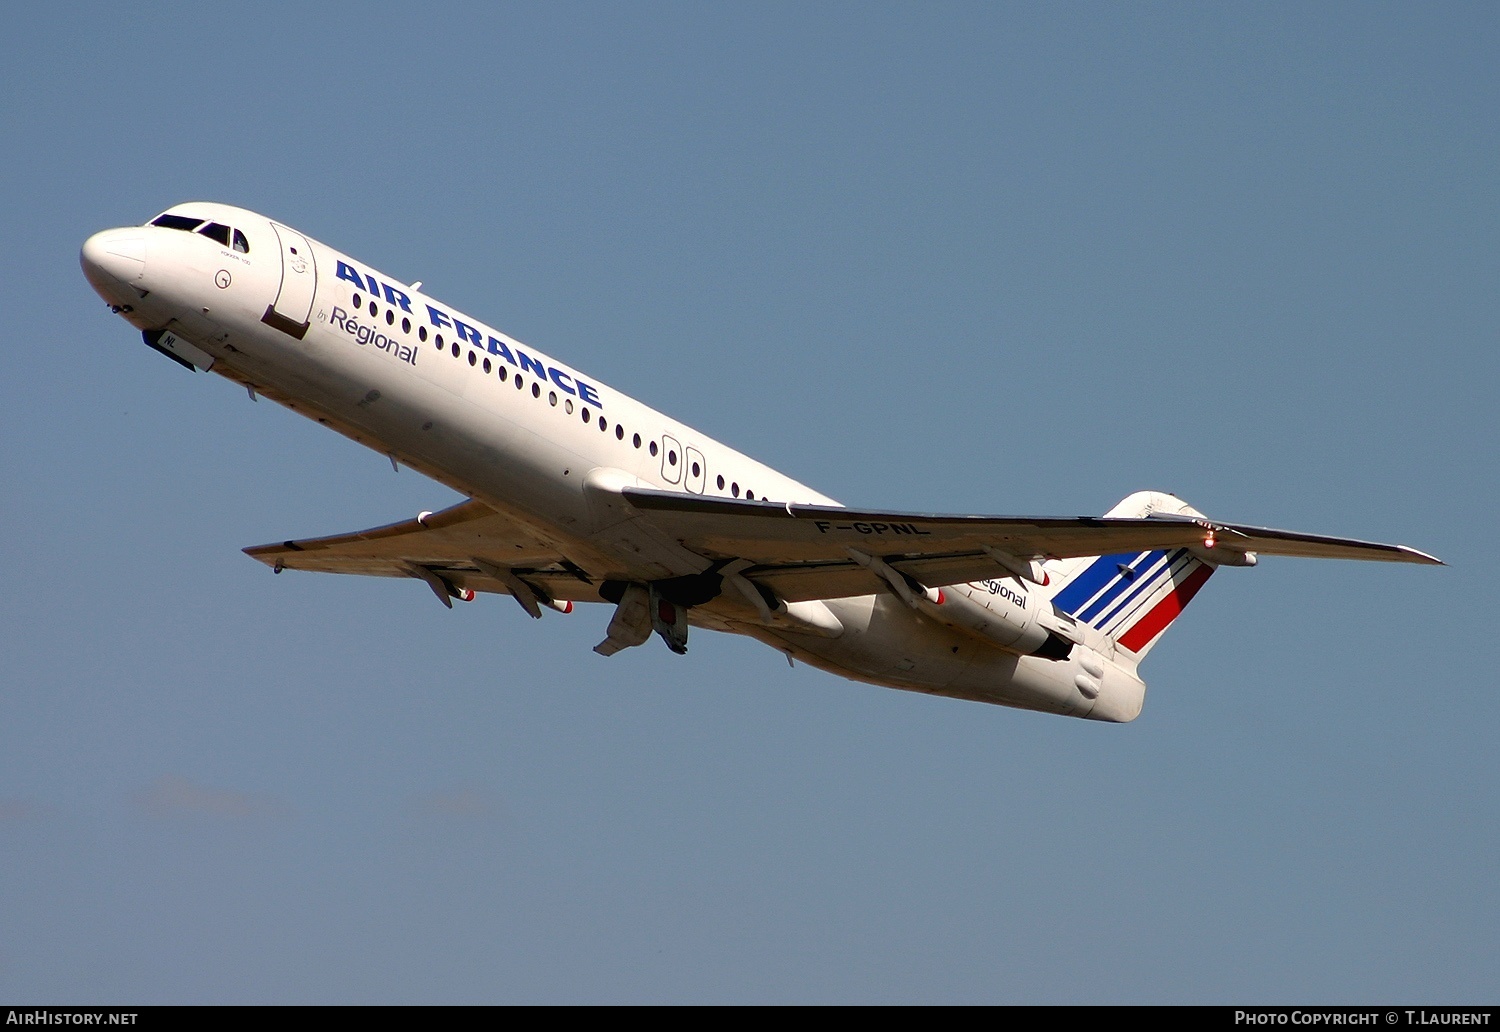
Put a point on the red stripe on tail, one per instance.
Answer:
(1165, 611)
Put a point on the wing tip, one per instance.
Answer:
(1413, 555)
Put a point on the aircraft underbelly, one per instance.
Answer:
(886, 643)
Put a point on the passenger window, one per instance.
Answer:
(240, 243)
(216, 231)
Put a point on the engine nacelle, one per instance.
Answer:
(1001, 614)
(995, 612)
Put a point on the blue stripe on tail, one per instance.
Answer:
(1143, 571)
(1145, 584)
(1087, 584)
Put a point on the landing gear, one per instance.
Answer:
(669, 621)
(631, 624)
(641, 610)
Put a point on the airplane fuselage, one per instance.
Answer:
(550, 446)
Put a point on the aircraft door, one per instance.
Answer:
(697, 470)
(292, 309)
(671, 459)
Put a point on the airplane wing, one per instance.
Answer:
(469, 546)
(800, 552)
(803, 551)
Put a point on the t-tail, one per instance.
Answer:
(1133, 597)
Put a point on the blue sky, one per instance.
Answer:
(991, 258)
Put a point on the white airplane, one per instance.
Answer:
(578, 493)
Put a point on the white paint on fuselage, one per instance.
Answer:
(518, 453)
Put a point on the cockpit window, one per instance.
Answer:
(215, 231)
(181, 222)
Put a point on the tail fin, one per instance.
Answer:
(1132, 596)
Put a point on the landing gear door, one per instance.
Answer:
(671, 460)
(697, 471)
(291, 311)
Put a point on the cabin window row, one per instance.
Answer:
(475, 359)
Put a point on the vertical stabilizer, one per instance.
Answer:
(1133, 597)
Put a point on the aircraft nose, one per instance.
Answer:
(112, 257)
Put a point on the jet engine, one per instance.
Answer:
(1000, 615)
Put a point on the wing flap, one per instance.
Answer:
(808, 581)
